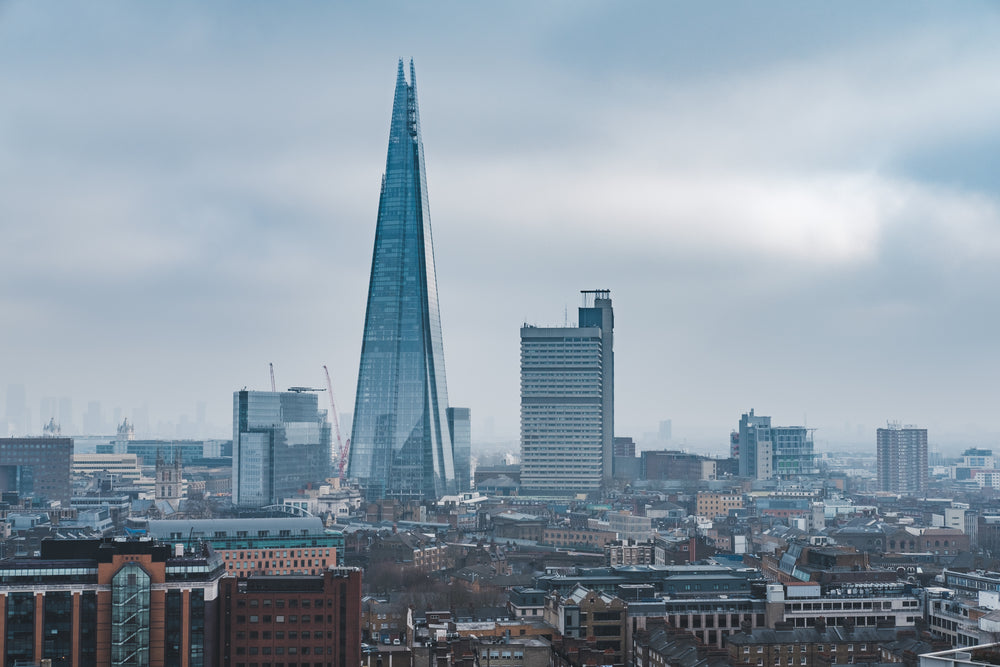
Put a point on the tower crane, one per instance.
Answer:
(343, 446)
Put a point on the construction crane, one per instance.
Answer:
(274, 387)
(343, 446)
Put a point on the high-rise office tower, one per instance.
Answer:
(567, 402)
(400, 443)
(902, 459)
(281, 443)
(460, 426)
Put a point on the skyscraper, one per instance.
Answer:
(281, 443)
(902, 459)
(400, 442)
(567, 402)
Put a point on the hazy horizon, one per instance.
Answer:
(794, 206)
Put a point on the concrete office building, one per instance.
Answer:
(567, 402)
(281, 444)
(902, 459)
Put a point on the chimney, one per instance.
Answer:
(820, 625)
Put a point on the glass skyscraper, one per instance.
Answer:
(281, 443)
(400, 442)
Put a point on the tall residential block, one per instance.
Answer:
(902, 459)
(567, 402)
(401, 446)
(281, 444)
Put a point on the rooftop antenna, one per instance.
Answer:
(565, 315)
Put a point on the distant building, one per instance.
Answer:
(122, 468)
(767, 451)
(281, 443)
(628, 552)
(902, 459)
(672, 465)
(754, 444)
(169, 481)
(624, 446)
(460, 426)
(712, 503)
(37, 468)
(567, 402)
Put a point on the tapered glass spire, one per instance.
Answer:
(400, 443)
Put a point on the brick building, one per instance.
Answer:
(712, 503)
(295, 621)
(104, 602)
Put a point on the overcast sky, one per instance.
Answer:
(795, 206)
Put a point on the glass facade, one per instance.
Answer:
(281, 442)
(460, 425)
(88, 628)
(20, 642)
(172, 631)
(58, 627)
(130, 617)
(400, 444)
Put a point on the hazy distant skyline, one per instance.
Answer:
(794, 205)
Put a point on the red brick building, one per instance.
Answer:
(291, 621)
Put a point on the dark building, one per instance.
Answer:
(292, 620)
(624, 446)
(110, 602)
(37, 467)
(673, 465)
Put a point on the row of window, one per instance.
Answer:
(802, 648)
(293, 618)
(282, 650)
(280, 604)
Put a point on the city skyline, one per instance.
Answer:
(801, 221)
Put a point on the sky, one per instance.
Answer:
(794, 205)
